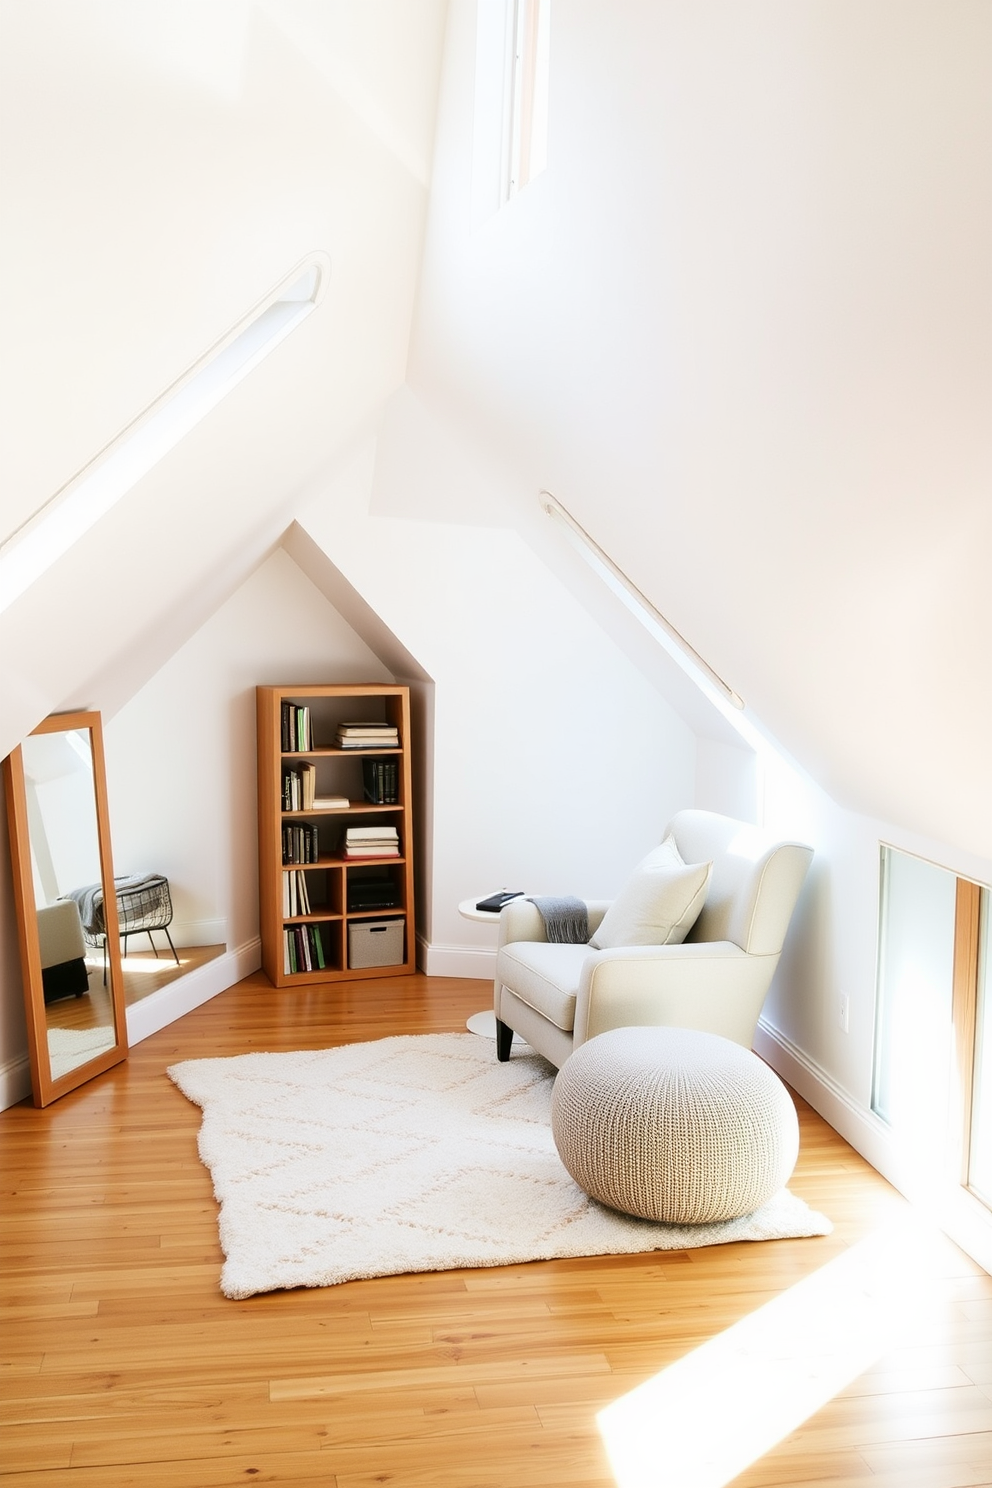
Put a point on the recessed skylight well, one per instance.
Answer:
(32, 549)
(526, 109)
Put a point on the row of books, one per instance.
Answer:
(297, 728)
(367, 736)
(299, 792)
(299, 843)
(297, 732)
(295, 894)
(299, 785)
(371, 842)
(380, 779)
(302, 949)
(366, 894)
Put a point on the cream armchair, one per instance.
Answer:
(558, 996)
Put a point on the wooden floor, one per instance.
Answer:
(124, 1365)
(144, 973)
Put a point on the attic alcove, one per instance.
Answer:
(404, 667)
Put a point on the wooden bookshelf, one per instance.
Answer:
(332, 880)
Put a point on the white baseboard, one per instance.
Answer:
(962, 1217)
(192, 990)
(456, 961)
(15, 1081)
(197, 933)
(863, 1129)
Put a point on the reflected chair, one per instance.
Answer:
(63, 951)
(144, 904)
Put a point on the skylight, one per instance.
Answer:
(72, 511)
(529, 65)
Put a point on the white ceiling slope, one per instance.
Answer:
(742, 328)
(164, 164)
(426, 469)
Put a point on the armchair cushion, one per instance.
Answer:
(545, 977)
(659, 903)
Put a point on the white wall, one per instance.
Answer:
(727, 779)
(556, 763)
(181, 753)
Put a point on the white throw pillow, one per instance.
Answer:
(659, 903)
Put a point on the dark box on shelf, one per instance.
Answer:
(373, 893)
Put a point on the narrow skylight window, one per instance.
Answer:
(51, 531)
(528, 69)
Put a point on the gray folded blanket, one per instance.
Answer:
(89, 899)
(566, 919)
(89, 902)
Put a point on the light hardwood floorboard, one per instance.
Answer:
(123, 1365)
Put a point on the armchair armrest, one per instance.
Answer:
(712, 985)
(521, 920)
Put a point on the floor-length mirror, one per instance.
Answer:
(67, 909)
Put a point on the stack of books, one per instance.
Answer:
(371, 842)
(367, 736)
(302, 949)
(299, 844)
(380, 777)
(297, 730)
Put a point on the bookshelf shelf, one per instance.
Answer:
(336, 861)
(341, 895)
(319, 918)
(297, 754)
(354, 808)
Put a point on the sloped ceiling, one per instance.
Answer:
(164, 166)
(741, 328)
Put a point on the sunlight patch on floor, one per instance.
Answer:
(147, 965)
(703, 1420)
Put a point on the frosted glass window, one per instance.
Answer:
(914, 1026)
(980, 1163)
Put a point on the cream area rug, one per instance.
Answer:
(408, 1154)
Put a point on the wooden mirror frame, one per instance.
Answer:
(44, 1088)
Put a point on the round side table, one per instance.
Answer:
(484, 1022)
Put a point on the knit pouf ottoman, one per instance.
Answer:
(674, 1125)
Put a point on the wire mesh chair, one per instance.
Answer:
(144, 904)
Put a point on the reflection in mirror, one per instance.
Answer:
(65, 870)
(60, 845)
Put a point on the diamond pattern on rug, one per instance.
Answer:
(415, 1153)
